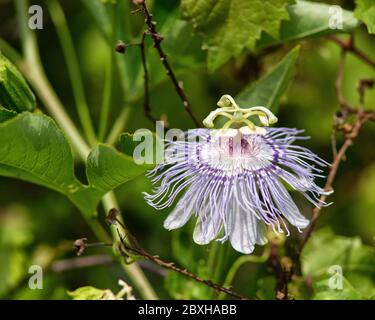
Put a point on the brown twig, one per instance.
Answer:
(349, 137)
(350, 46)
(363, 85)
(350, 131)
(157, 38)
(184, 272)
(130, 246)
(334, 143)
(281, 277)
(344, 106)
(146, 101)
(121, 48)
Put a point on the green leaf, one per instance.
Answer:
(308, 19)
(128, 143)
(365, 11)
(15, 93)
(230, 26)
(357, 260)
(87, 293)
(348, 292)
(325, 249)
(99, 12)
(32, 145)
(6, 114)
(182, 45)
(269, 89)
(108, 168)
(34, 149)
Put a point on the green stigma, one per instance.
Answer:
(236, 116)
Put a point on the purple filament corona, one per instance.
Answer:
(236, 185)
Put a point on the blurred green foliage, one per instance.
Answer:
(35, 222)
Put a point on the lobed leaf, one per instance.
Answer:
(229, 26)
(365, 11)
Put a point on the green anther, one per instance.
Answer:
(236, 115)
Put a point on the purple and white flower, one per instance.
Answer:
(234, 182)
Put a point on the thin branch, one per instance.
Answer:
(332, 174)
(157, 38)
(283, 269)
(184, 272)
(146, 99)
(130, 246)
(133, 270)
(363, 85)
(334, 142)
(345, 107)
(350, 131)
(274, 261)
(81, 262)
(121, 48)
(350, 46)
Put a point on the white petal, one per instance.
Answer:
(206, 231)
(289, 209)
(182, 212)
(244, 231)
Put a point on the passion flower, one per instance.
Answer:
(233, 180)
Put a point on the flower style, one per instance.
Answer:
(234, 179)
